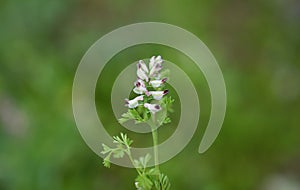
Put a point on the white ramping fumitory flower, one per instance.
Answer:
(142, 71)
(140, 87)
(155, 66)
(143, 66)
(157, 95)
(157, 83)
(153, 108)
(134, 102)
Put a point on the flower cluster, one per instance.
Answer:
(148, 85)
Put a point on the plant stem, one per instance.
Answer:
(131, 159)
(155, 141)
(155, 137)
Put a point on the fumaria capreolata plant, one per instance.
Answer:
(151, 105)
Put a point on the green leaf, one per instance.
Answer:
(122, 146)
(167, 103)
(167, 120)
(117, 140)
(126, 117)
(163, 182)
(106, 149)
(124, 140)
(153, 172)
(106, 161)
(118, 153)
(143, 182)
(135, 114)
(137, 164)
(143, 161)
(140, 114)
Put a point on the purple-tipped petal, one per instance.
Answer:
(140, 87)
(126, 101)
(157, 107)
(153, 108)
(137, 84)
(164, 80)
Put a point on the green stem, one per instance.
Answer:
(131, 159)
(155, 142)
(155, 139)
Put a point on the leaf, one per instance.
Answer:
(146, 115)
(126, 117)
(167, 102)
(123, 120)
(147, 158)
(122, 146)
(117, 140)
(106, 161)
(167, 120)
(143, 182)
(135, 114)
(137, 164)
(153, 172)
(142, 162)
(163, 182)
(118, 153)
(125, 140)
(106, 149)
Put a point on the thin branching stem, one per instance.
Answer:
(132, 161)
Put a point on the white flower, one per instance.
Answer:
(155, 66)
(143, 66)
(157, 95)
(140, 87)
(157, 83)
(155, 60)
(142, 70)
(134, 102)
(153, 108)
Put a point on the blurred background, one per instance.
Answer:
(256, 43)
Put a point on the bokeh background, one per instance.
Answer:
(256, 43)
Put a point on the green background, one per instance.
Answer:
(257, 46)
